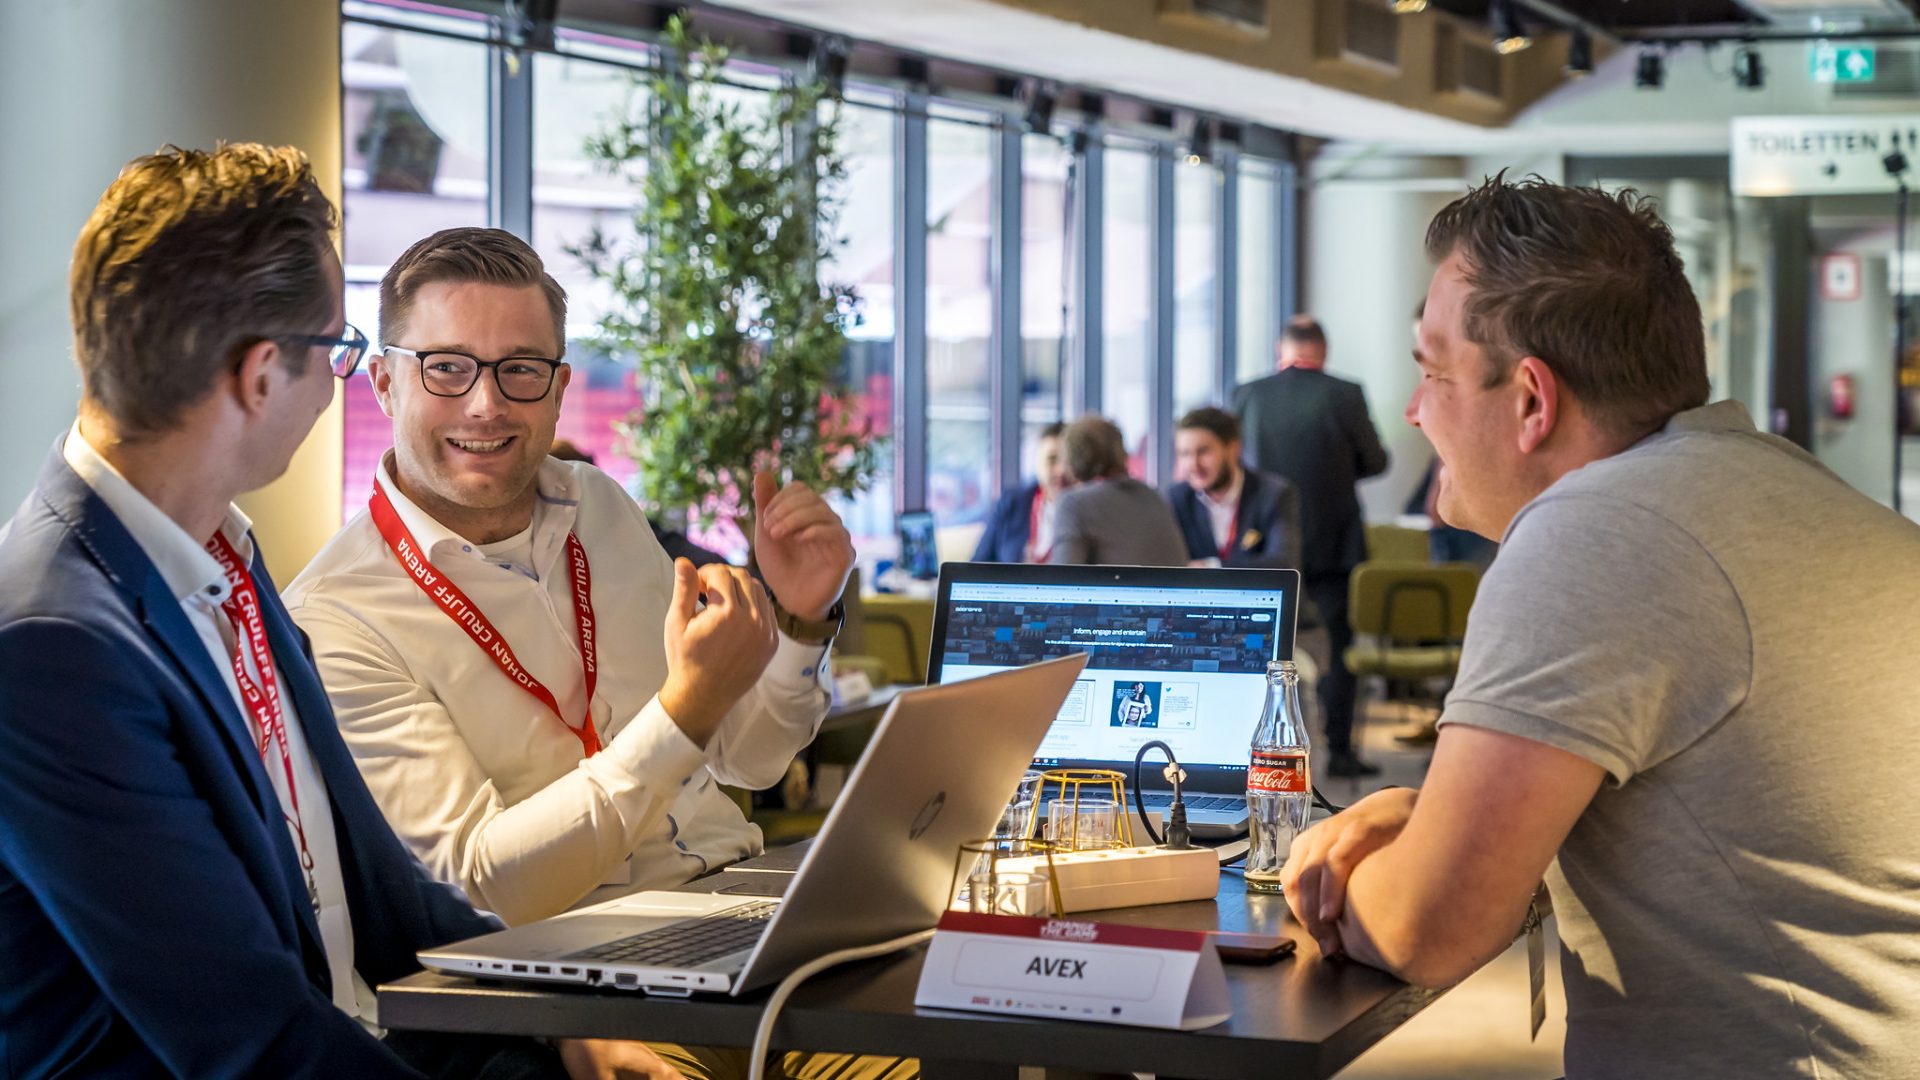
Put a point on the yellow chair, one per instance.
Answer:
(1396, 543)
(897, 630)
(1409, 618)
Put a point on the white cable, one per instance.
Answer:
(763, 1035)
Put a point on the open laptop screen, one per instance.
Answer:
(1174, 654)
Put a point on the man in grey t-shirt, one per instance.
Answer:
(1690, 675)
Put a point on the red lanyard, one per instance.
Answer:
(263, 698)
(468, 616)
(1033, 528)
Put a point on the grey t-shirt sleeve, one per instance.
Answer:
(1605, 630)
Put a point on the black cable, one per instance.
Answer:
(1179, 838)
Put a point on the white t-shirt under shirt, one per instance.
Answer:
(481, 780)
(197, 581)
(1734, 635)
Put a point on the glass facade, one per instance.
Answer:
(421, 139)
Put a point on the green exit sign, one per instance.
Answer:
(1843, 64)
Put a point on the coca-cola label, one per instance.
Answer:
(1277, 772)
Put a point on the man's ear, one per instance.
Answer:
(253, 374)
(380, 373)
(1538, 403)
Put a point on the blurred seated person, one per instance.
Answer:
(1109, 518)
(1021, 526)
(673, 541)
(1230, 514)
(1444, 542)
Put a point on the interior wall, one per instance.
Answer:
(1365, 269)
(1855, 337)
(95, 83)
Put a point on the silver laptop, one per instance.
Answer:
(936, 774)
(1176, 654)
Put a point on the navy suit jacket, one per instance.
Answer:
(1268, 536)
(153, 917)
(1008, 527)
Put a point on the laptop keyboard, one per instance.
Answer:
(686, 944)
(1160, 800)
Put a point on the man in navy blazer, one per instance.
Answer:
(194, 880)
(1020, 527)
(1229, 514)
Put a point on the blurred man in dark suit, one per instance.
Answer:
(1020, 529)
(1314, 429)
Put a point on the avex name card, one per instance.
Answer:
(1073, 970)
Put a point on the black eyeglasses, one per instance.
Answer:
(452, 374)
(343, 353)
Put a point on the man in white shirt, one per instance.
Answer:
(531, 808)
(534, 692)
(194, 880)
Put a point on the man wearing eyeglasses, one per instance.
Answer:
(543, 703)
(194, 880)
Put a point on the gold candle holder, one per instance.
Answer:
(1074, 786)
(977, 853)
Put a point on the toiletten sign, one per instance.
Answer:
(1822, 155)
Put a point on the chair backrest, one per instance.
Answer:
(1396, 543)
(1405, 602)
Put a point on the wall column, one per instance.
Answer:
(96, 84)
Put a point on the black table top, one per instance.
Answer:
(1302, 1016)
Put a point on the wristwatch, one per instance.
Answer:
(806, 631)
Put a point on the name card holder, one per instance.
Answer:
(1070, 970)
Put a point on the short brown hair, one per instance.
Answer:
(190, 256)
(1094, 449)
(466, 255)
(1221, 423)
(1588, 282)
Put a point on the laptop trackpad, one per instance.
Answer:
(772, 885)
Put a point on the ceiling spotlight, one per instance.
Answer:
(1509, 36)
(1406, 7)
(1748, 72)
(829, 64)
(1650, 71)
(1039, 98)
(1200, 148)
(1580, 53)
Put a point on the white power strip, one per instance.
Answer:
(1124, 877)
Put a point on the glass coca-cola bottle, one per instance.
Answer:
(1279, 788)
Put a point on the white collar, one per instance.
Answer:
(1230, 500)
(184, 564)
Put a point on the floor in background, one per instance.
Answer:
(1479, 1028)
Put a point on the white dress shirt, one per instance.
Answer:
(480, 779)
(195, 578)
(1222, 511)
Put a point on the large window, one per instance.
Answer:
(1127, 283)
(1258, 302)
(1196, 330)
(415, 111)
(864, 259)
(960, 190)
(1045, 273)
(419, 132)
(574, 99)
